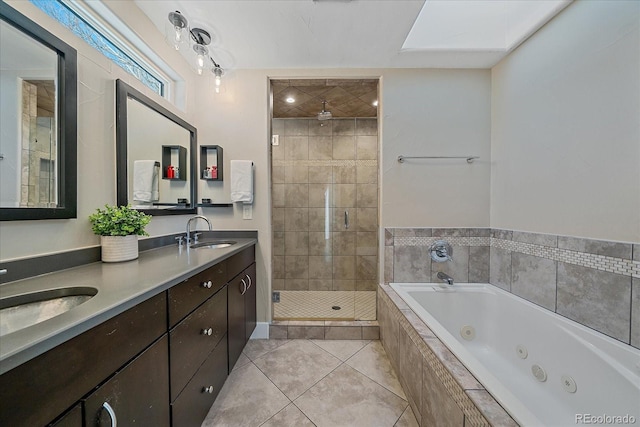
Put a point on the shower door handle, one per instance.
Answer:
(346, 220)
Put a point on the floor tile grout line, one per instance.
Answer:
(405, 410)
(274, 384)
(273, 349)
(328, 352)
(381, 385)
(303, 413)
(307, 389)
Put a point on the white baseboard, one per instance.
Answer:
(261, 331)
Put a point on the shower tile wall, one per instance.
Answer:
(320, 170)
(593, 282)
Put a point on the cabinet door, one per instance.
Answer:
(250, 302)
(138, 394)
(236, 314)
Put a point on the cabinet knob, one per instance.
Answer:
(207, 331)
(208, 389)
(207, 284)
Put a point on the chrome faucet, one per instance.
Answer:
(195, 236)
(445, 278)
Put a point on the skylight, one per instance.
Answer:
(479, 25)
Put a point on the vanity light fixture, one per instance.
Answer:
(375, 103)
(180, 34)
(290, 100)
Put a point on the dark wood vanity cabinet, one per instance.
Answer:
(160, 363)
(38, 391)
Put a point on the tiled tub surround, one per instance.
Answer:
(511, 340)
(319, 171)
(440, 390)
(595, 283)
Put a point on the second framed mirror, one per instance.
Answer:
(155, 156)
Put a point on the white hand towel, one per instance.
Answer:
(242, 181)
(146, 184)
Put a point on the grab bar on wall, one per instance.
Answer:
(469, 159)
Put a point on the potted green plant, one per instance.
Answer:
(119, 228)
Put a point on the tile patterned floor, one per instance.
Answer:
(308, 305)
(280, 383)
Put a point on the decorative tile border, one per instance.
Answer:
(624, 267)
(454, 241)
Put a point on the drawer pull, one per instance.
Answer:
(208, 389)
(207, 331)
(207, 284)
(249, 279)
(244, 290)
(112, 414)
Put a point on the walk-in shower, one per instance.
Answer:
(324, 170)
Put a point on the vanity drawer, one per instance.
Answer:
(192, 340)
(186, 296)
(240, 261)
(193, 404)
(78, 365)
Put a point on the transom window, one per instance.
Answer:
(109, 48)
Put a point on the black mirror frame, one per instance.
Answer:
(67, 121)
(124, 92)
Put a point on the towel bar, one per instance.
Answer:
(469, 159)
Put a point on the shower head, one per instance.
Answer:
(324, 115)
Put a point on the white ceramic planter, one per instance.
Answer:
(119, 248)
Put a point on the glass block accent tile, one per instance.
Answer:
(81, 28)
(625, 267)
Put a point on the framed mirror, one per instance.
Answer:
(38, 123)
(155, 156)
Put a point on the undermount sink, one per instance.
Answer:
(218, 244)
(21, 311)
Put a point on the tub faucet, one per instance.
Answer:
(445, 278)
(195, 236)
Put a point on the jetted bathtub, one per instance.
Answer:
(544, 369)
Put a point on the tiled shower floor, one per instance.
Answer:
(314, 305)
(281, 383)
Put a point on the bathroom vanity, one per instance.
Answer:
(143, 350)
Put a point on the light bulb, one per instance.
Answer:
(177, 37)
(217, 72)
(200, 64)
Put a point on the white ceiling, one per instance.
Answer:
(350, 34)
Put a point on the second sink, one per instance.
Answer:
(217, 244)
